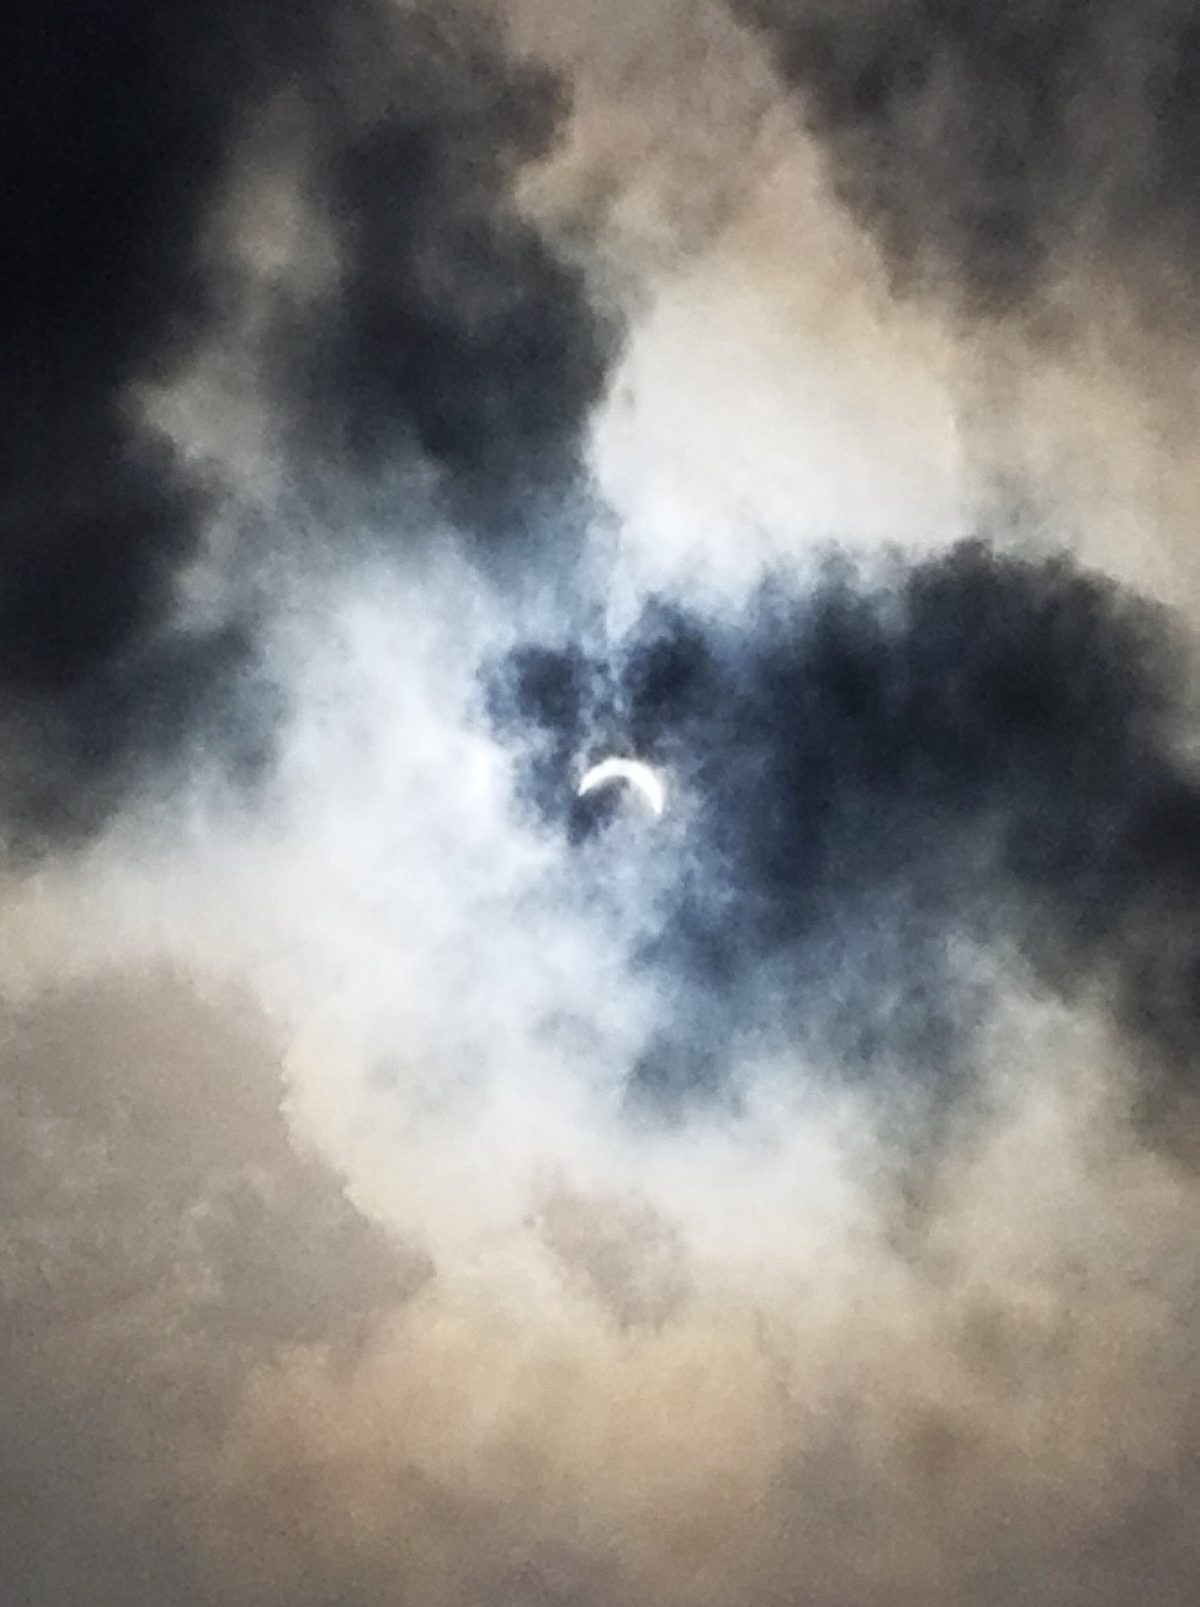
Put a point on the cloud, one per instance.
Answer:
(895, 760)
(159, 1233)
(419, 1182)
(997, 149)
(450, 344)
(230, 1387)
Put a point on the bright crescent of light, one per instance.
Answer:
(637, 774)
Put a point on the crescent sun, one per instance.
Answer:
(640, 776)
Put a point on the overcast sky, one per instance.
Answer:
(420, 1185)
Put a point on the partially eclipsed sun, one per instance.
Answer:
(639, 776)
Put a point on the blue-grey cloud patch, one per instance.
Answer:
(884, 771)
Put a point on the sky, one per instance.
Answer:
(421, 1186)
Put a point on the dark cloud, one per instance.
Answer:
(989, 141)
(973, 747)
(161, 710)
(113, 137)
(115, 131)
(454, 332)
(455, 337)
